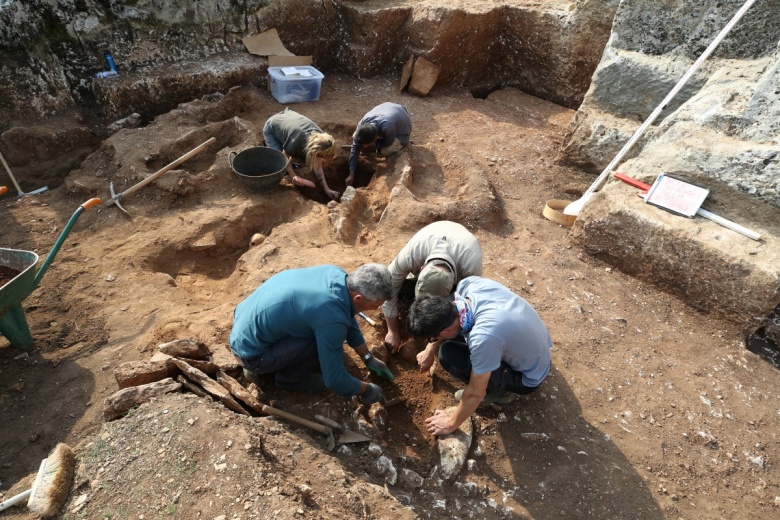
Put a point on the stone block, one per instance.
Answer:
(424, 76)
(406, 73)
(711, 267)
(135, 373)
(185, 348)
(454, 447)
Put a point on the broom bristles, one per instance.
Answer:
(53, 482)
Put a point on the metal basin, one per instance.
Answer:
(13, 324)
(259, 168)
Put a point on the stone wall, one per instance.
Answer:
(721, 131)
(723, 125)
(50, 50)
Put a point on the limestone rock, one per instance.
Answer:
(365, 427)
(695, 258)
(207, 367)
(378, 416)
(724, 120)
(159, 356)
(135, 373)
(344, 216)
(238, 391)
(256, 392)
(191, 386)
(595, 139)
(424, 76)
(131, 121)
(223, 357)
(209, 385)
(386, 468)
(406, 73)
(409, 479)
(185, 348)
(453, 449)
(117, 404)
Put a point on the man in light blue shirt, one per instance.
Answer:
(296, 323)
(489, 338)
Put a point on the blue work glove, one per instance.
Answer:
(373, 394)
(377, 367)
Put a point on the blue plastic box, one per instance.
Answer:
(289, 86)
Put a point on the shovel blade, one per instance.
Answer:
(349, 437)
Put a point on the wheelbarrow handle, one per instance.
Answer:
(56, 247)
(91, 203)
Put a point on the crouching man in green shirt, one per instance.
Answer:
(295, 324)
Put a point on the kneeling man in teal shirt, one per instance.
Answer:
(295, 324)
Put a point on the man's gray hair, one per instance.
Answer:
(373, 281)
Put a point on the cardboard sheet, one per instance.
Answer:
(288, 61)
(266, 44)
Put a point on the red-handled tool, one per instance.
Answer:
(701, 212)
(631, 181)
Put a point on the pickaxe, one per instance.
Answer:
(116, 198)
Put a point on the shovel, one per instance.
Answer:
(325, 430)
(20, 193)
(347, 435)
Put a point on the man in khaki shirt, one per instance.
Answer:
(439, 255)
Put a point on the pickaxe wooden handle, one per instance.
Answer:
(117, 198)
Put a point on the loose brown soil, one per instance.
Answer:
(7, 274)
(652, 410)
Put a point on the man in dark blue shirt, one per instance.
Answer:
(385, 128)
(297, 322)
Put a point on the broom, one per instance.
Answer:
(52, 483)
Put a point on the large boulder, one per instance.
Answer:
(722, 125)
(711, 267)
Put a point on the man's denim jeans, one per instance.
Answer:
(291, 358)
(454, 358)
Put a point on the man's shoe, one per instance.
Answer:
(392, 149)
(311, 384)
(254, 377)
(497, 397)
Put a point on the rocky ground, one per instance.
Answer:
(652, 410)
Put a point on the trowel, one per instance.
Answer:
(347, 435)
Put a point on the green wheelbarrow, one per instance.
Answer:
(13, 324)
